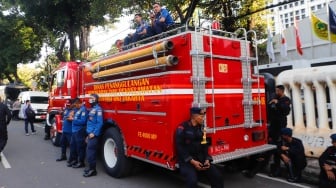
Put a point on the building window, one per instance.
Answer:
(291, 5)
(312, 8)
(285, 6)
(303, 16)
(302, 2)
(280, 8)
(296, 3)
(291, 14)
(319, 7)
(303, 11)
(297, 12)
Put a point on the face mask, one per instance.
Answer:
(91, 100)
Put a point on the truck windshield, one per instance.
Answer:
(39, 100)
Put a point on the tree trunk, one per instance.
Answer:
(59, 53)
(10, 79)
(84, 42)
(71, 36)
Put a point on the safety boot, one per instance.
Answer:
(78, 165)
(62, 158)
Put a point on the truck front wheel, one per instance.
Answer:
(115, 162)
(55, 137)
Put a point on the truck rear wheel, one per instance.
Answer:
(115, 162)
(55, 137)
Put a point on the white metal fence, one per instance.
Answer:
(313, 116)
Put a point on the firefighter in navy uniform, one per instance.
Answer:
(5, 118)
(192, 154)
(292, 153)
(77, 143)
(327, 163)
(93, 130)
(279, 107)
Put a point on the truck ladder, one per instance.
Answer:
(247, 82)
(198, 78)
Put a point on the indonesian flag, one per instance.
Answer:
(298, 41)
(283, 49)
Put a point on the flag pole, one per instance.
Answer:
(329, 31)
(280, 38)
(268, 30)
(311, 32)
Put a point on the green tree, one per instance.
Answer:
(73, 18)
(19, 44)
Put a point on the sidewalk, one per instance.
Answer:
(312, 171)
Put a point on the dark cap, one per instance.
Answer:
(196, 110)
(286, 131)
(138, 14)
(95, 96)
(333, 137)
(76, 100)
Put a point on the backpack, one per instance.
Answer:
(30, 113)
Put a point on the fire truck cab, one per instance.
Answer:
(146, 92)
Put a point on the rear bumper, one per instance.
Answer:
(239, 153)
(40, 116)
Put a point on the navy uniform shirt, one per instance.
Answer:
(79, 120)
(67, 124)
(328, 157)
(5, 116)
(188, 143)
(296, 153)
(95, 120)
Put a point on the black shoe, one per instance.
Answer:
(71, 163)
(90, 173)
(86, 170)
(293, 180)
(62, 158)
(47, 137)
(248, 174)
(78, 165)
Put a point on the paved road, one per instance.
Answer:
(31, 164)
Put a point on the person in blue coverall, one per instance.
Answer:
(192, 154)
(93, 130)
(77, 145)
(163, 19)
(66, 130)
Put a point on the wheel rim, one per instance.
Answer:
(110, 153)
(53, 132)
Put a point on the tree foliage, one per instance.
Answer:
(72, 18)
(19, 44)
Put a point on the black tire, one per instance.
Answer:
(115, 162)
(55, 136)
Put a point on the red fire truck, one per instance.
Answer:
(146, 91)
